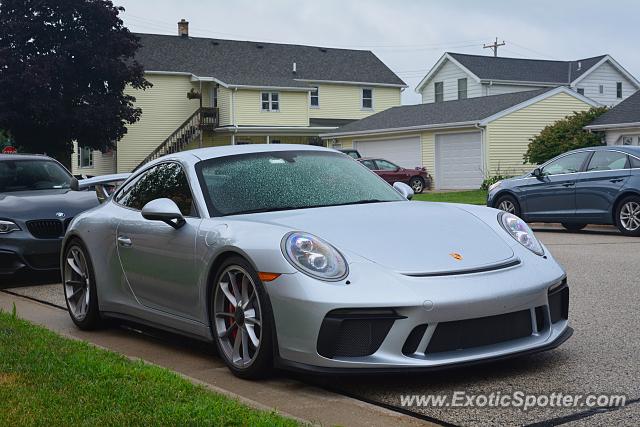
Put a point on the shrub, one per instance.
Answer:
(564, 135)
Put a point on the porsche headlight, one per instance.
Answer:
(314, 257)
(8, 226)
(519, 230)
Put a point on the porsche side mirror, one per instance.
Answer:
(537, 172)
(404, 189)
(164, 210)
(75, 184)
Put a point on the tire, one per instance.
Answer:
(417, 184)
(234, 334)
(509, 204)
(571, 226)
(628, 216)
(79, 285)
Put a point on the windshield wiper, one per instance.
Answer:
(290, 208)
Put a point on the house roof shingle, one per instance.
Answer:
(440, 113)
(260, 64)
(628, 111)
(525, 70)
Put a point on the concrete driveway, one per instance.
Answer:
(603, 268)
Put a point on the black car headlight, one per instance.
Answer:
(8, 226)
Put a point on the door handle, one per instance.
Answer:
(124, 241)
(568, 184)
(616, 180)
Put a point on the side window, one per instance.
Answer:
(369, 163)
(166, 180)
(635, 163)
(386, 165)
(608, 160)
(567, 164)
(438, 88)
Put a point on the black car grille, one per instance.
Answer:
(463, 334)
(354, 332)
(46, 228)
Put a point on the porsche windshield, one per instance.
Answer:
(32, 174)
(284, 180)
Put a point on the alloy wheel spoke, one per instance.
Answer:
(74, 266)
(245, 347)
(229, 330)
(77, 294)
(251, 333)
(233, 280)
(75, 283)
(250, 314)
(224, 286)
(79, 264)
(245, 288)
(225, 314)
(236, 347)
(252, 321)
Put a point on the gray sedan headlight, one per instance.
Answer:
(494, 185)
(314, 257)
(519, 230)
(8, 227)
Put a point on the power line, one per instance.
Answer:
(494, 46)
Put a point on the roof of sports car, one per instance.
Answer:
(230, 150)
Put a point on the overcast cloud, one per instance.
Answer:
(410, 35)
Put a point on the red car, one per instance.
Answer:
(417, 178)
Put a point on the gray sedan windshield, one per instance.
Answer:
(271, 181)
(24, 175)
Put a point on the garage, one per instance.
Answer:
(459, 161)
(405, 152)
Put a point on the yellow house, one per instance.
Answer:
(461, 142)
(242, 92)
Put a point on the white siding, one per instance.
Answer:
(499, 89)
(449, 74)
(614, 137)
(607, 76)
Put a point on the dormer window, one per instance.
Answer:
(367, 99)
(270, 101)
(439, 91)
(314, 98)
(619, 90)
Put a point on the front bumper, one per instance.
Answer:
(419, 306)
(19, 250)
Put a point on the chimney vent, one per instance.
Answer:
(294, 67)
(183, 28)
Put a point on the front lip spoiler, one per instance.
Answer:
(322, 370)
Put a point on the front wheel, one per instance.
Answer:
(417, 184)
(508, 204)
(241, 321)
(80, 287)
(628, 216)
(573, 226)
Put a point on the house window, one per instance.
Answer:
(270, 101)
(214, 97)
(627, 140)
(439, 91)
(462, 88)
(581, 91)
(85, 157)
(619, 90)
(314, 98)
(367, 98)
(601, 89)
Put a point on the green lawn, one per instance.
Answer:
(49, 380)
(473, 197)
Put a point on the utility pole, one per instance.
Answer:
(494, 46)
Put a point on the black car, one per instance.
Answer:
(598, 185)
(37, 203)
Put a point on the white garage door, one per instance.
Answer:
(405, 152)
(459, 161)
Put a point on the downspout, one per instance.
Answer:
(200, 119)
(485, 149)
(233, 116)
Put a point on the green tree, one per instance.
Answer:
(64, 66)
(564, 135)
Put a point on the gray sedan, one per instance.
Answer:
(270, 253)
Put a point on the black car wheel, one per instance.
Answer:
(573, 226)
(80, 287)
(508, 204)
(241, 320)
(628, 216)
(417, 184)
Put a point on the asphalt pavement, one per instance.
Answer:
(603, 270)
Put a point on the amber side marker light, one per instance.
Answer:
(268, 277)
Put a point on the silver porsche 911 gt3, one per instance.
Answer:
(300, 257)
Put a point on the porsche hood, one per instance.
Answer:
(407, 237)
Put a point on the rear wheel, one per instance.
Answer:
(417, 184)
(573, 226)
(80, 287)
(628, 216)
(241, 320)
(508, 204)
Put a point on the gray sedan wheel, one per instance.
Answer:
(241, 320)
(79, 287)
(508, 204)
(628, 216)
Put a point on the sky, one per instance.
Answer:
(410, 35)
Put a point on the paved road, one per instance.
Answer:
(602, 356)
